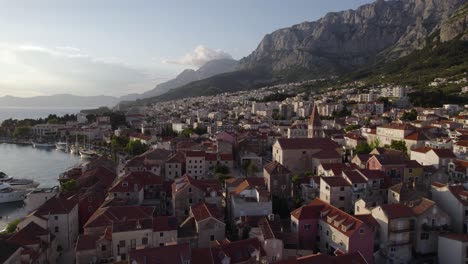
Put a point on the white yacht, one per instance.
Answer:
(87, 154)
(17, 183)
(61, 146)
(8, 194)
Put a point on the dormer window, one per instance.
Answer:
(125, 184)
(344, 228)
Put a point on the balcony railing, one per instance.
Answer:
(427, 227)
(399, 243)
(401, 229)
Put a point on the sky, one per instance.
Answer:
(116, 47)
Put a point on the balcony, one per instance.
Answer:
(431, 228)
(399, 243)
(403, 229)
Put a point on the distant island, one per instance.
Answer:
(59, 100)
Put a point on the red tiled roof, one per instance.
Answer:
(462, 143)
(175, 254)
(204, 210)
(395, 211)
(416, 135)
(307, 212)
(421, 206)
(323, 210)
(336, 181)
(372, 174)
(57, 205)
(164, 223)
(86, 242)
(205, 185)
(274, 168)
(28, 235)
(346, 258)
(456, 236)
(198, 154)
(136, 181)
(354, 136)
(399, 126)
(106, 216)
(238, 251)
(226, 157)
(307, 143)
(460, 193)
(354, 177)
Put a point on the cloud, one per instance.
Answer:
(199, 56)
(29, 70)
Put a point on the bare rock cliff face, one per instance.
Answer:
(345, 40)
(456, 26)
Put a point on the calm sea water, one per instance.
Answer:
(41, 165)
(33, 112)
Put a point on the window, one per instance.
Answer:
(328, 232)
(161, 244)
(103, 248)
(307, 227)
(186, 212)
(56, 229)
(133, 243)
(341, 198)
(424, 236)
(56, 217)
(122, 243)
(128, 194)
(190, 200)
(341, 188)
(361, 231)
(144, 241)
(212, 238)
(161, 234)
(189, 190)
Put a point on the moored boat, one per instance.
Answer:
(18, 183)
(61, 146)
(87, 154)
(43, 145)
(8, 194)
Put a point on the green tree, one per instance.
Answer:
(295, 178)
(352, 127)
(399, 145)
(222, 169)
(363, 148)
(69, 186)
(11, 227)
(136, 147)
(252, 168)
(375, 144)
(410, 116)
(91, 118)
(22, 132)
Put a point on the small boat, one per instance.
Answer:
(61, 146)
(8, 194)
(17, 184)
(87, 154)
(43, 145)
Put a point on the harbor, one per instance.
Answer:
(41, 166)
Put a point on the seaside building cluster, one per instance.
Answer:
(272, 175)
